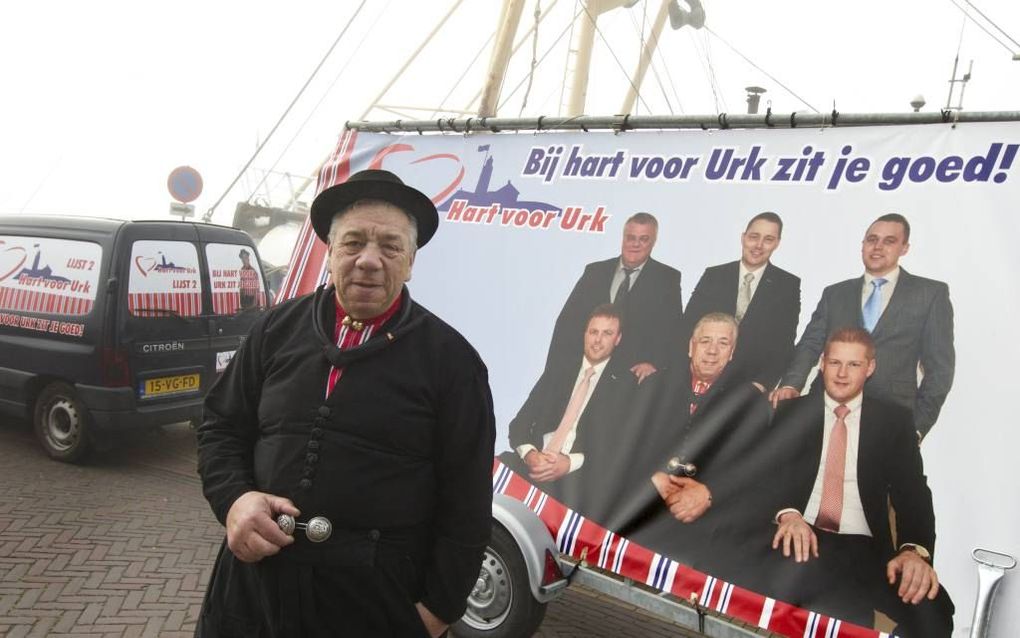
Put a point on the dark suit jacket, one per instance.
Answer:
(889, 468)
(652, 315)
(719, 438)
(543, 410)
(769, 327)
(916, 328)
(848, 578)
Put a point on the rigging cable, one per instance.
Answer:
(981, 26)
(767, 74)
(669, 76)
(534, 57)
(208, 215)
(997, 27)
(651, 62)
(460, 79)
(513, 52)
(605, 41)
(711, 69)
(325, 94)
(704, 69)
(539, 63)
(956, 61)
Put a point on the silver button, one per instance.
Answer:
(319, 529)
(677, 467)
(286, 524)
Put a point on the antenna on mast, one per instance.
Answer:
(953, 81)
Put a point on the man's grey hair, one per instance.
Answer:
(718, 317)
(412, 229)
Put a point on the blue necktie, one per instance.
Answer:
(873, 306)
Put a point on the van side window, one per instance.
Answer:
(235, 277)
(48, 276)
(164, 279)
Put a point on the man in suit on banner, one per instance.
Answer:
(910, 319)
(764, 298)
(687, 460)
(843, 457)
(646, 292)
(569, 413)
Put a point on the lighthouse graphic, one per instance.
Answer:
(507, 195)
(36, 271)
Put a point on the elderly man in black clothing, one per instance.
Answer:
(348, 447)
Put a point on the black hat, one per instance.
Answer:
(374, 184)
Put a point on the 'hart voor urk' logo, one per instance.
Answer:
(146, 265)
(12, 260)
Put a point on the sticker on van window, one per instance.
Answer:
(164, 279)
(48, 276)
(223, 359)
(235, 278)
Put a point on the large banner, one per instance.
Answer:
(646, 439)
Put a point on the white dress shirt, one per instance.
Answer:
(576, 458)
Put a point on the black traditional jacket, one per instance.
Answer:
(400, 453)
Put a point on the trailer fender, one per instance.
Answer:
(533, 539)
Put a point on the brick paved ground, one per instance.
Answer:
(123, 547)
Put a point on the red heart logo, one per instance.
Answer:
(9, 257)
(148, 261)
(444, 192)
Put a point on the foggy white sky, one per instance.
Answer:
(101, 100)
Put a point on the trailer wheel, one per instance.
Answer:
(501, 604)
(61, 423)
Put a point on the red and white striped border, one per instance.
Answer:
(576, 536)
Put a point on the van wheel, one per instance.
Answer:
(61, 423)
(501, 604)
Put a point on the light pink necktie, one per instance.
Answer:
(572, 412)
(831, 508)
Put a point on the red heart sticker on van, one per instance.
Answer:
(149, 262)
(11, 262)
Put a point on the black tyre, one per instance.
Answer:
(501, 604)
(62, 423)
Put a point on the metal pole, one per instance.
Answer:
(722, 121)
(646, 58)
(585, 40)
(952, 81)
(520, 41)
(510, 18)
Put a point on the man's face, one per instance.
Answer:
(600, 338)
(638, 241)
(370, 258)
(711, 348)
(758, 242)
(845, 368)
(883, 245)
